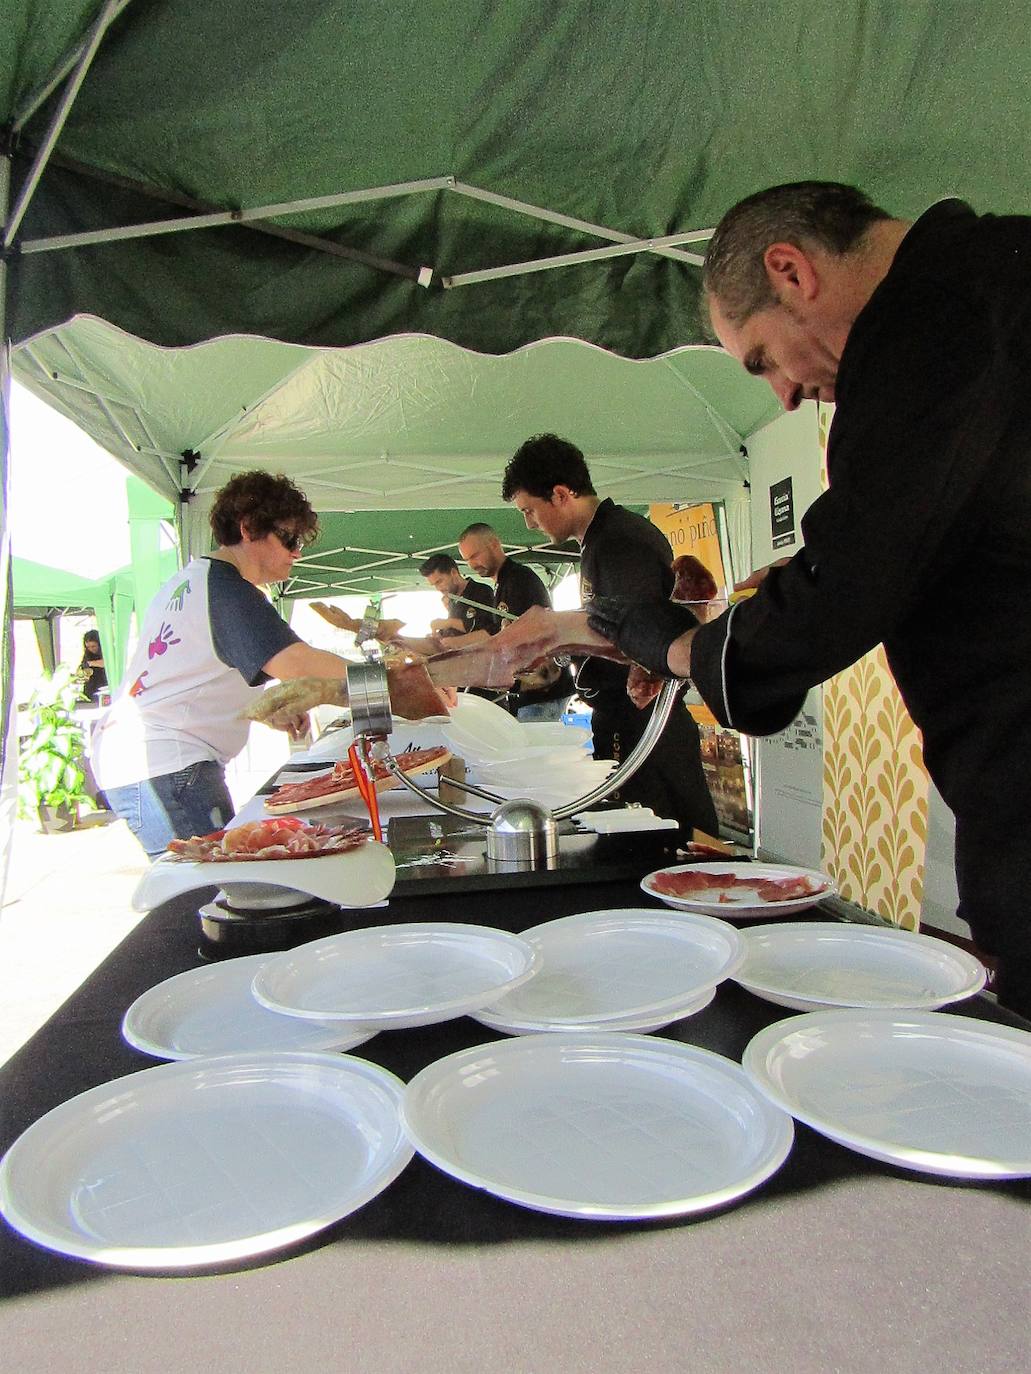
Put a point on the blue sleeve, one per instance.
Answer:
(246, 629)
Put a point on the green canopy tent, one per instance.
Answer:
(42, 593)
(247, 182)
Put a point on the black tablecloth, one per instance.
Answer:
(836, 1263)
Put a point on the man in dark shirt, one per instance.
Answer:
(541, 694)
(442, 573)
(921, 333)
(622, 554)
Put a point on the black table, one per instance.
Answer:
(836, 1263)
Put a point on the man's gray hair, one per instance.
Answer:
(822, 213)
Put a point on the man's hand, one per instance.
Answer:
(643, 631)
(540, 633)
(760, 575)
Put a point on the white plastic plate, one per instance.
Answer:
(808, 964)
(360, 877)
(742, 903)
(478, 729)
(600, 1126)
(642, 1023)
(600, 966)
(211, 1010)
(396, 976)
(934, 1092)
(206, 1162)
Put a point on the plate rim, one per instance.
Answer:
(384, 1020)
(862, 931)
(143, 1257)
(612, 1024)
(780, 1126)
(764, 1040)
(338, 1039)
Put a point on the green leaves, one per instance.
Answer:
(50, 771)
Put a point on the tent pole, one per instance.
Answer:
(8, 778)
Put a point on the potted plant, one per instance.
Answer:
(51, 776)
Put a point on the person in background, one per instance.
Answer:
(542, 693)
(624, 554)
(209, 639)
(92, 667)
(442, 573)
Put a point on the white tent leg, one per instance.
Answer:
(8, 737)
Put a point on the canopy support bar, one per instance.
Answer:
(616, 250)
(89, 51)
(41, 94)
(522, 207)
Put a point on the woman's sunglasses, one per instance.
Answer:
(293, 543)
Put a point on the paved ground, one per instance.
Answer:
(65, 907)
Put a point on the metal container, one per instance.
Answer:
(522, 834)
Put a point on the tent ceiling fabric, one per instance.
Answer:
(401, 424)
(637, 116)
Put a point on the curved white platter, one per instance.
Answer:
(809, 964)
(641, 968)
(206, 1162)
(211, 1010)
(930, 1091)
(742, 905)
(389, 977)
(360, 877)
(599, 1126)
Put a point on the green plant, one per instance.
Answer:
(50, 756)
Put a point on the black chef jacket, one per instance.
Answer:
(472, 617)
(923, 540)
(625, 555)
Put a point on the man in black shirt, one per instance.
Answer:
(541, 694)
(622, 554)
(442, 573)
(921, 333)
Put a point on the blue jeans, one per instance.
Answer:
(543, 710)
(193, 801)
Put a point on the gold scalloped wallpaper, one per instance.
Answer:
(874, 830)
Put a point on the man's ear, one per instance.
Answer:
(560, 494)
(791, 272)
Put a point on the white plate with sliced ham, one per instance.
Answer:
(340, 864)
(739, 891)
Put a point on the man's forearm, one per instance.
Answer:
(679, 657)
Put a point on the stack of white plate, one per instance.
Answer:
(553, 777)
(810, 964)
(625, 970)
(479, 731)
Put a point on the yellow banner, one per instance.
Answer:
(693, 530)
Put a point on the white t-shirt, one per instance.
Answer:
(198, 664)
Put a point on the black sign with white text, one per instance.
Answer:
(782, 513)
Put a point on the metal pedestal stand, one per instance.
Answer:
(521, 834)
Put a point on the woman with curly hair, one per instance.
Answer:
(208, 641)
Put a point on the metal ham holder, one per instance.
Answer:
(521, 834)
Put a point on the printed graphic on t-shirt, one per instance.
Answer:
(178, 598)
(161, 641)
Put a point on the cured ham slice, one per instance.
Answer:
(383, 630)
(694, 581)
(719, 886)
(412, 694)
(282, 838)
(338, 784)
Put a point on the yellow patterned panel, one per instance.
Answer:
(874, 833)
